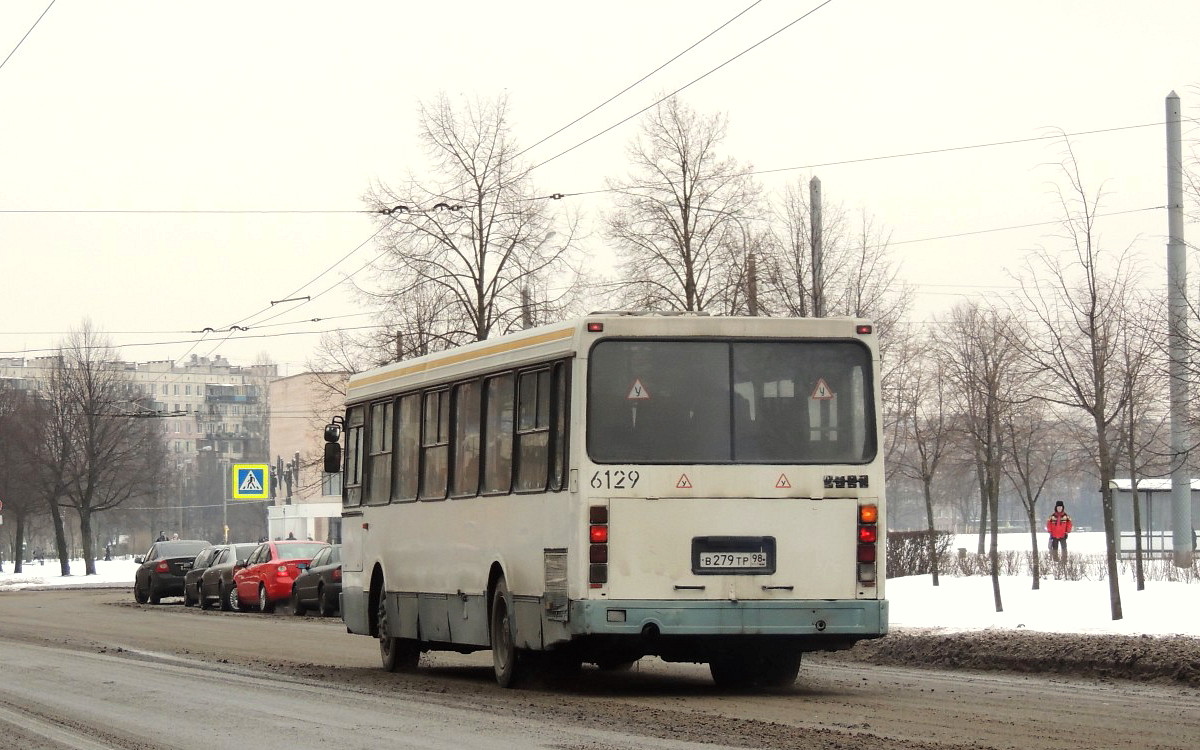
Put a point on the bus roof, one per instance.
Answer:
(569, 337)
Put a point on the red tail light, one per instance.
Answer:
(282, 569)
(162, 567)
(337, 574)
(868, 537)
(598, 549)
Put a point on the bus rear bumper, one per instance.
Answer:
(840, 619)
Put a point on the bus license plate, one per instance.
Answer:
(717, 560)
(733, 555)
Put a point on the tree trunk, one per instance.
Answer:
(933, 561)
(1110, 523)
(1033, 532)
(85, 531)
(1137, 535)
(60, 537)
(994, 554)
(19, 545)
(983, 507)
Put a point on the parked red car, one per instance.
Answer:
(267, 576)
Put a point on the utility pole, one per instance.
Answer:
(751, 285)
(814, 208)
(526, 309)
(1177, 333)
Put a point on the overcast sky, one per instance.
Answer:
(116, 116)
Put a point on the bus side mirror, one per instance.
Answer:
(333, 458)
(333, 431)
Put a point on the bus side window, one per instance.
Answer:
(408, 448)
(533, 430)
(498, 435)
(466, 440)
(558, 440)
(435, 445)
(379, 483)
(354, 455)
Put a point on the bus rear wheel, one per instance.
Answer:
(397, 654)
(507, 659)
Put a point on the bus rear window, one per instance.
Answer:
(696, 402)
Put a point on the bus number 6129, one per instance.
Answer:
(615, 480)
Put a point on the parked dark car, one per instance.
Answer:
(216, 584)
(320, 585)
(160, 573)
(191, 581)
(267, 576)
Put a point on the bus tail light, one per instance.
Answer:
(868, 540)
(597, 546)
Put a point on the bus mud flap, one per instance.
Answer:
(528, 621)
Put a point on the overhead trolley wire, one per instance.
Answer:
(612, 98)
(864, 159)
(699, 78)
(27, 33)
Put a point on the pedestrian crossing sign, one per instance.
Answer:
(250, 482)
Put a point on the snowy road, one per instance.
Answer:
(90, 669)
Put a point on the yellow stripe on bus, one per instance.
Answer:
(454, 359)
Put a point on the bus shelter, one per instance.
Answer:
(1154, 502)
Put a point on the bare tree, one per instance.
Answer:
(18, 474)
(1034, 450)
(1143, 427)
(116, 452)
(679, 225)
(1078, 296)
(924, 425)
(858, 276)
(468, 242)
(979, 348)
(53, 451)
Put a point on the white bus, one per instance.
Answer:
(703, 489)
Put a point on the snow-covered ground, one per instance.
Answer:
(957, 604)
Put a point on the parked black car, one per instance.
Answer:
(216, 583)
(191, 581)
(160, 573)
(320, 585)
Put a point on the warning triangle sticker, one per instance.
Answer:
(250, 484)
(684, 483)
(638, 391)
(783, 483)
(821, 391)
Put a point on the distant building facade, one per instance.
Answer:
(214, 414)
(308, 502)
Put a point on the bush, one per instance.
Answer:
(908, 552)
(1075, 567)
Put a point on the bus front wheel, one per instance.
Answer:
(507, 660)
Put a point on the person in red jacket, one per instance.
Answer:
(1059, 525)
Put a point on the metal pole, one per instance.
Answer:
(818, 280)
(1181, 484)
(224, 501)
(751, 285)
